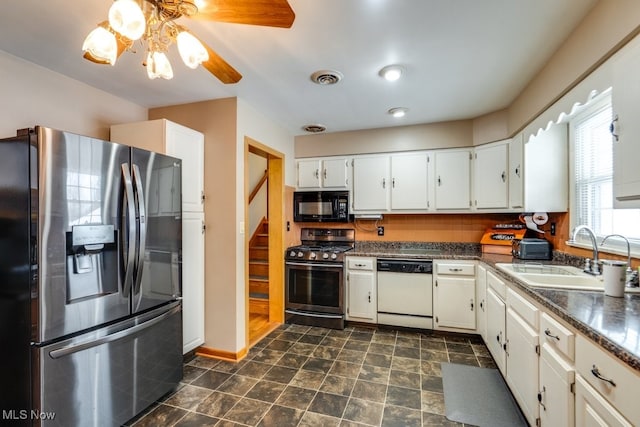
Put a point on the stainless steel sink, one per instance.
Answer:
(556, 276)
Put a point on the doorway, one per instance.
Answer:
(264, 247)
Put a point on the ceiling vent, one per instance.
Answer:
(326, 77)
(314, 128)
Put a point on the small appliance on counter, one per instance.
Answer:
(497, 240)
(532, 248)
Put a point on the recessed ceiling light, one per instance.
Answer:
(315, 128)
(398, 112)
(326, 77)
(391, 72)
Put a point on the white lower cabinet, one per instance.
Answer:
(593, 410)
(496, 322)
(361, 289)
(192, 280)
(481, 301)
(454, 296)
(555, 395)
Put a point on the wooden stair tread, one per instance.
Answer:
(259, 261)
(257, 278)
(259, 296)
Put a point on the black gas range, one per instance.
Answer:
(314, 274)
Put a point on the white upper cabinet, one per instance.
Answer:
(626, 150)
(323, 173)
(516, 177)
(175, 140)
(490, 176)
(452, 179)
(409, 181)
(371, 183)
(546, 171)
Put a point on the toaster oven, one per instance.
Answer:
(531, 248)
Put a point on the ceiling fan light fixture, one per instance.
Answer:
(391, 73)
(101, 45)
(192, 52)
(126, 17)
(398, 112)
(158, 65)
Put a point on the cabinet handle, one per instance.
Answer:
(471, 302)
(439, 181)
(360, 265)
(596, 373)
(317, 173)
(393, 183)
(369, 296)
(482, 305)
(612, 128)
(547, 332)
(518, 171)
(540, 394)
(384, 183)
(324, 173)
(504, 176)
(455, 270)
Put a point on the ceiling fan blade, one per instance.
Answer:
(268, 13)
(219, 67)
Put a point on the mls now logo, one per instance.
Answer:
(23, 414)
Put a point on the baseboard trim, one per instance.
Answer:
(221, 354)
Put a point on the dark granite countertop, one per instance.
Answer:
(614, 323)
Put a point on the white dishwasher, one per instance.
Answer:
(405, 292)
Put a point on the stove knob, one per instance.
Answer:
(325, 256)
(334, 256)
(300, 254)
(292, 253)
(312, 255)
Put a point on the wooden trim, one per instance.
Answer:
(221, 354)
(258, 186)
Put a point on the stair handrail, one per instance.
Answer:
(259, 185)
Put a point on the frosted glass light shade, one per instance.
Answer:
(192, 52)
(101, 44)
(126, 17)
(158, 65)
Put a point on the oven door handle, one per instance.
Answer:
(312, 264)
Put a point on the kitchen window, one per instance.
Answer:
(592, 180)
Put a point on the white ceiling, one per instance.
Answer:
(462, 58)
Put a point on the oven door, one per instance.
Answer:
(315, 287)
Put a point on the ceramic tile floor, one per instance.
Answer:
(308, 376)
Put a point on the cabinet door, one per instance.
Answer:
(188, 145)
(361, 295)
(522, 364)
(481, 301)
(593, 410)
(308, 173)
(409, 182)
(516, 175)
(496, 328)
(490, 185)
(455, 302)
(452, 175)
(626, 150)
(335, 173)
(192, 280)
(555, 398)
(371, 183)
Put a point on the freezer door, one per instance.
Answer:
(106, 377)
(157, 273)
(80, 225)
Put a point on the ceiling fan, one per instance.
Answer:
(153, 21)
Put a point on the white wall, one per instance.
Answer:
(258, 206)
(32, 95)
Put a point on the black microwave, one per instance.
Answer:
(321, 206)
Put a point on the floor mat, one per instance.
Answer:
(479, 396)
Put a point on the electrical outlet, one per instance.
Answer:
(553, 229)
(380, 231)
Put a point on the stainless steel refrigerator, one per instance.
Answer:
(90, 258)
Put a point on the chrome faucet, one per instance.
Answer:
(629, 269)
(594, 268)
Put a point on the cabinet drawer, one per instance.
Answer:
(456, 269)
(592, 360)
(497, 285)
(524, 308)
(557, 336)
(355, 263)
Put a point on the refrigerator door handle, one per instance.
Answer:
(143, 228)
(129, 227)
(75, 348)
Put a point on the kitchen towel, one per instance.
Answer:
(478, 396)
